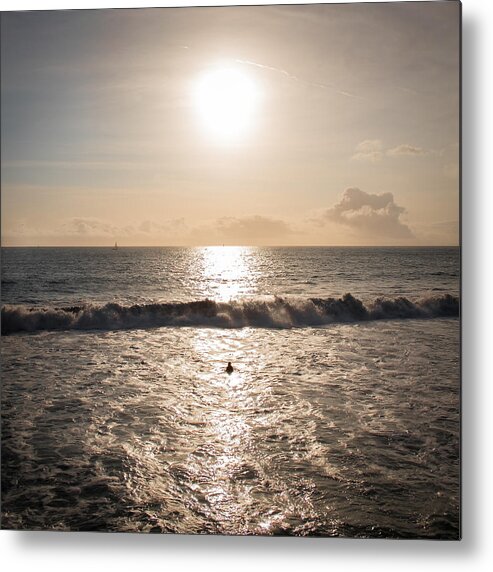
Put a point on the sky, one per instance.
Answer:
(332, 124)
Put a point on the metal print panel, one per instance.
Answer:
(230, 270)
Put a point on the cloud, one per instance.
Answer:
(253, 228)
(72, 227)
(374, 150)
(371, 215)
(149, 227)
(406, 149)
(250, 229)
(369, 150)
(81, 226)
(93, 227)
(90, 227)
(296, 78)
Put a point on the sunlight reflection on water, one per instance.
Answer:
(228, 271)
(228, 400)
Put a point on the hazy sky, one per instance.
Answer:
(349, 116)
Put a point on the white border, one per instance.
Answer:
(85, 552)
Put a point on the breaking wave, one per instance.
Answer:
(259, 313)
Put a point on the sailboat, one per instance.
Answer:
(115, 247)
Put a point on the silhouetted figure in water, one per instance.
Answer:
(229, 369)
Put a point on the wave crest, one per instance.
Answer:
(259, 313)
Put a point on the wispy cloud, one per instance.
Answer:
(374, 150)
(406, 149)
(296, 78)
(369, 150)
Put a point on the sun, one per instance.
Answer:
(226, 100)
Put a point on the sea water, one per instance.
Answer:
(341, 417)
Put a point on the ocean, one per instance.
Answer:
(341, 417)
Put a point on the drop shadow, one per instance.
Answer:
(471, 294)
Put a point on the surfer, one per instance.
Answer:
(229, 369)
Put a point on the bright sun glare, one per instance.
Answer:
(226, 100)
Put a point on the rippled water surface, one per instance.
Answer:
(348, 428)
(38, 276)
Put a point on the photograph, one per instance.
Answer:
(231, 270)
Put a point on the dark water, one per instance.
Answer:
(72, 276)
(334, 422)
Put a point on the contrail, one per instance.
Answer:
(296, 78)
